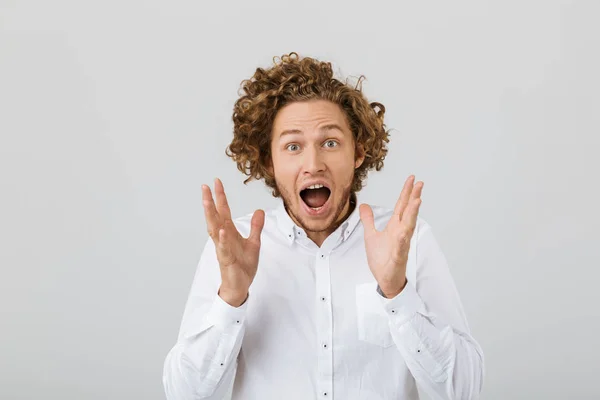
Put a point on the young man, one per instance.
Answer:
(319, 298)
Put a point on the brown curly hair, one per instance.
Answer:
(294, 79)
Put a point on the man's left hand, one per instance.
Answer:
(387, 250)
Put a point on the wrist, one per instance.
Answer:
(391, 291)
(232, 297)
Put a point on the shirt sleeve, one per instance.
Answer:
(430, 329)
(202, 364)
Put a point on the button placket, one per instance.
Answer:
(324, 324)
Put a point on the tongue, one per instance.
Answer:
(315, 197)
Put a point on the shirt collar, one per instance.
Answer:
(292, 231)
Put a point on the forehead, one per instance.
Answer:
(309, 115)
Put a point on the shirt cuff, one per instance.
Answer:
(224, 315)
(404, 306)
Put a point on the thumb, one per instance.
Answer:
(366, 216)
(256, 226)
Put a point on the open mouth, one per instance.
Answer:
(315, 196)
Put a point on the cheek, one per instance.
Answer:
(343, 170)
(285, 172)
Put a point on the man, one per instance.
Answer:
(319, 298)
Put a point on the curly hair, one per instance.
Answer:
(293, 79)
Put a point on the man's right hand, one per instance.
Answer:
(237, 256)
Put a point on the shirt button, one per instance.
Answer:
(393, 311)
(324, 345)
(324, 393)
(323, 298)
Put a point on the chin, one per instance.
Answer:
(316, 220)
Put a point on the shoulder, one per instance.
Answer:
(242, 223)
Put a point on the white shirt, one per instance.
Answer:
(315, 326)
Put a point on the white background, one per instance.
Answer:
(113, 113)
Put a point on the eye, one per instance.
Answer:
(331, 143)
(292, 147)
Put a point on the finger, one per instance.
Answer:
(210, 213)
(414, 196)
(417, 190)
(256, 226)
(366, 216)
(224, 253)
(409, 218)
(222, 205)
(404, 196)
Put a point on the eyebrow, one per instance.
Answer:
(324, 128)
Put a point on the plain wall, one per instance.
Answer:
(113, 113)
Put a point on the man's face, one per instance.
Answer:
(312, 145)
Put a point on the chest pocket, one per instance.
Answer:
(372, 321)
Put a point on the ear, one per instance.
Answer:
(270, 166)
(359, 156)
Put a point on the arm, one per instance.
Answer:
(426, 320)
(202, 364)
(430, 329)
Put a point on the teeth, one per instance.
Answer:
(317, 208)
(317, 186)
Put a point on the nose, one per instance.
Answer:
(313, 161)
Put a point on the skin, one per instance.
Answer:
(306, 153)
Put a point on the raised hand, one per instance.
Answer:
(237, 256)
(387, 250)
